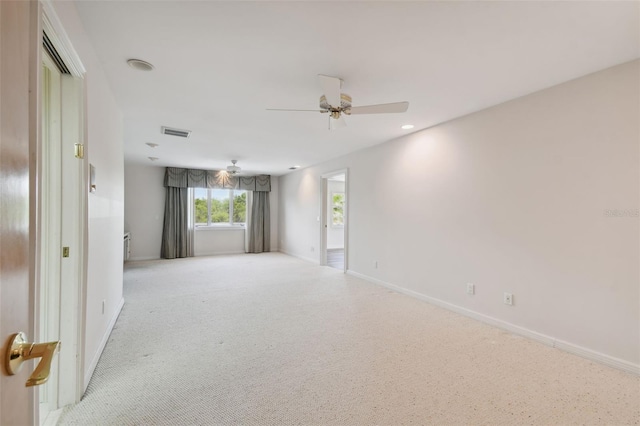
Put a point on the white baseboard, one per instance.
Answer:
(308, 259)
(525, 332)
(52, 417)
(219, 253)
(96, 357)
(137, 258)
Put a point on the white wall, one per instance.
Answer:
(335, 235)
(144, 216)
(144, 209)
(106, 206)
(210, 241)
(517, 198)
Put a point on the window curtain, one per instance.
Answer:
(176, 223)
(178, 233)
(247, 221)
(191, 223)
(258, 231)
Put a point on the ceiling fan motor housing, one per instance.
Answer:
(345, 105)
(233, 169)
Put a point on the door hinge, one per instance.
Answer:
(65, 251)
(79, 150)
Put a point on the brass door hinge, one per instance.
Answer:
(79, 150)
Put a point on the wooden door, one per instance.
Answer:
(19, 44)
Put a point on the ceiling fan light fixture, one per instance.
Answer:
(233, 169)
(337, 104)
(345, 103)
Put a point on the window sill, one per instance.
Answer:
(221, 228)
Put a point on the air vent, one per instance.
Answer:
(176, 132)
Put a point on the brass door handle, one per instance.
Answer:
(19, 351)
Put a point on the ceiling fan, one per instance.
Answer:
(233, 169)
(337, 104)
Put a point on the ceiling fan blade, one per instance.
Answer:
(336, 123)
(303, 110)
(331, 89)
(380, 109)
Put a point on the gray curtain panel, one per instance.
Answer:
(174, 232)
(259, 227)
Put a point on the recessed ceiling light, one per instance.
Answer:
(140, 65)
(407, 127)
(294, 167)
(153, 158)
(151, 144)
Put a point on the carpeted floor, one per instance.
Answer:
(272, 340)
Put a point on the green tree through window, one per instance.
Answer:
(337, 209)
(212, 206)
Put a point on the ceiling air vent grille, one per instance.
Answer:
(176, 132)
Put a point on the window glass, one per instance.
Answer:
(201, 210)
(239, 207)
(337, 209)
(220, 206)
(213, 207)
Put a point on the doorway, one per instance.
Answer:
(334, 222)
(62, 215)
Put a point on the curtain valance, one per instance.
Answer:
(215, 179)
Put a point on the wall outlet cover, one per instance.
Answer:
(508, 299)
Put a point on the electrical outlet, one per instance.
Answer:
(508, 299)
(471, 289)
(375, 264)
(313, 248)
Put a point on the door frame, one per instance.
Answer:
(324, 216)
(50, 219)
(70, 362)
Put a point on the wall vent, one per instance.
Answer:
(176, 132)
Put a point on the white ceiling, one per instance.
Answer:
(220, 65)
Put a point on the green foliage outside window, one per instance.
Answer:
(337, 209)
(201, 211)
(219, 207)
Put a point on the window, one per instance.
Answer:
(337, 209)
(216, 207)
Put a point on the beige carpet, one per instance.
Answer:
(272, 340)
